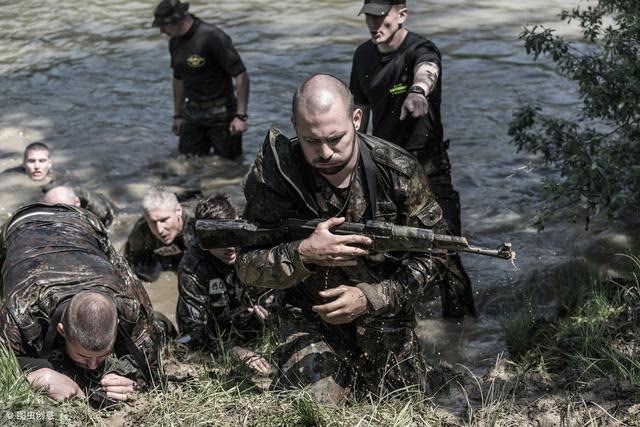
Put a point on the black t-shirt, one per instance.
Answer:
(382, 81)
(206, 60)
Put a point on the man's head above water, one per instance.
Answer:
(163, 213)
(36, 161)
(89, 326)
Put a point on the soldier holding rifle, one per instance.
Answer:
(350, 320)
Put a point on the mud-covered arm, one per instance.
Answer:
(418, 271)
(273, 267)
(191, 310)
(11, 337)
(98, 204)
(139, 253)
(276, 267)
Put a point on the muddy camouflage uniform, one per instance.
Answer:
(380, 348)
(96, 203)
(50, 253)
(149, 256)
(212, 302)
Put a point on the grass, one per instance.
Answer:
(593, 331)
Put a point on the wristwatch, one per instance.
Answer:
(241, 116)
(417, 89)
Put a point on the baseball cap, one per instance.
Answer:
(378, 7)
(169, 12)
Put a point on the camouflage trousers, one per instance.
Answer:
(333, 361)
(207, 129)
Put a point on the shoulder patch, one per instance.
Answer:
(391, 155)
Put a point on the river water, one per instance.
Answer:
(92, 79)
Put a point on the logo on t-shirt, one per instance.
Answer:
(195, 61)
(398, 88)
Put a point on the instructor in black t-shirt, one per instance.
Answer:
(207, 113)
(396, 75)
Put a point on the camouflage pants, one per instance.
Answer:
(204, 129)
(334, 360)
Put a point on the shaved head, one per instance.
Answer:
(91, 321)
(61, 194)
(318, 94)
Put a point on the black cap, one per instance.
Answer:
(379, 7)
(169, 12)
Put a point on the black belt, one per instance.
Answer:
(220, 102)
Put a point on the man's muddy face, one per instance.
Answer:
(37, 164)
(87, 359)
(165, 222)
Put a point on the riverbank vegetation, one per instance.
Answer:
(596, 150)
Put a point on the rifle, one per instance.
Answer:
(386, 236)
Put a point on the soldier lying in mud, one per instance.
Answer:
(213, 304)
(72, 311)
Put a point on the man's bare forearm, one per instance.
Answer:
(178, 96)
(242, 89)
(426, 76)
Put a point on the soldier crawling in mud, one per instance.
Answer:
(158, 240)
(349, 319)
(212, 302)
(95, 203)
(73, 312)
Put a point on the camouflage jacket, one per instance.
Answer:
(278, 187)
(212, 300)
(97, 204)
(52, 252)
(148, 256)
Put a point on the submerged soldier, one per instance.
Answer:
(158, 239)
(350, 319)
(95, 203)
(212, 302)
(36, 163)
(70, 302)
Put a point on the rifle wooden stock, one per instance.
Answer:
(386, 237)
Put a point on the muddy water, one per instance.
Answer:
(92, 79)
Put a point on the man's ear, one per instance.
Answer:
(179, 209)
(402, 15)
(357, 118)
(60, 329)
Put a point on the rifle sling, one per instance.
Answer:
(138, 356)
(370, 174)
(52, 331)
